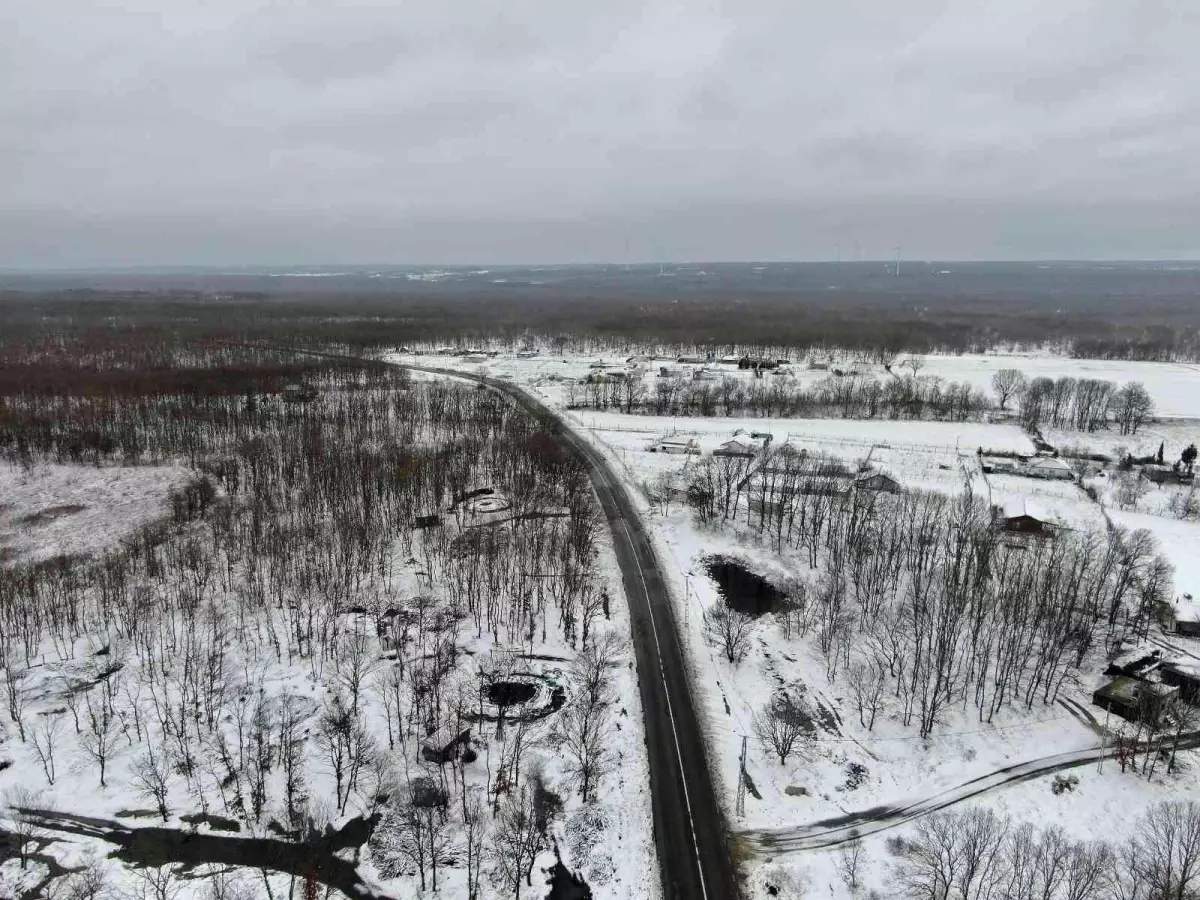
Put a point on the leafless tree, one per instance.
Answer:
(954, 855)
(25, 830)
(517, 839)
(87, 882)
(100, 733)
(16, 692)
(780, 726)
(867, 679)
(474, 830)
(850, 859)
(1132, 406)
(45, 733)
(1165, 850)
(732, 632)
(1008, 383)
(152, 778)
(583, 729)
(157, 883)
(400, 839)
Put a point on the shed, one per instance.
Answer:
(1186, 612)
(1185, 675)
(1133, 699)
(443, 746)
(677, 444)
(1156, 474)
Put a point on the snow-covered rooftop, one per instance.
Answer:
(1016, 507)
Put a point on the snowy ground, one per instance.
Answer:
(65, 509)
(899, 766)
(1174, 386)
(1173, 436)
(52, 509)
(1179, 540)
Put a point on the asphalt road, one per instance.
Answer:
(689, 828)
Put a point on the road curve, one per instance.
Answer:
(839, 830)
(689, 828)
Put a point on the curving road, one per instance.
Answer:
(689, 828)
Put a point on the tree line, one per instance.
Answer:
(981, 855)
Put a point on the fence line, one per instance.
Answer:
(590, 423)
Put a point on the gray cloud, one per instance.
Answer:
(240, 131)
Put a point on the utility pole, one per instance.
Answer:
(741, 793)
(1104, 739)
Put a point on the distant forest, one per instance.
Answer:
(1125, 313)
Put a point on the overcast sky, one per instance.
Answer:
(458, 131)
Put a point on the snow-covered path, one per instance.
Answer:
(828, 833)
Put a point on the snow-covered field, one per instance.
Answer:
(1174, 386)
(1179, 540)
(56, 509)
(851, 768)
(1173, 436)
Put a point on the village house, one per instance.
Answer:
(1049, 467)
(739, 447)
(877, 481)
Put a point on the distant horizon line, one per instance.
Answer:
(284, 269)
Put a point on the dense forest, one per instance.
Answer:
(1114, 313)
(326, 623)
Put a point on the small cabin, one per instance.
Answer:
(877, 481)
(1023, 517)
(1157, 474)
